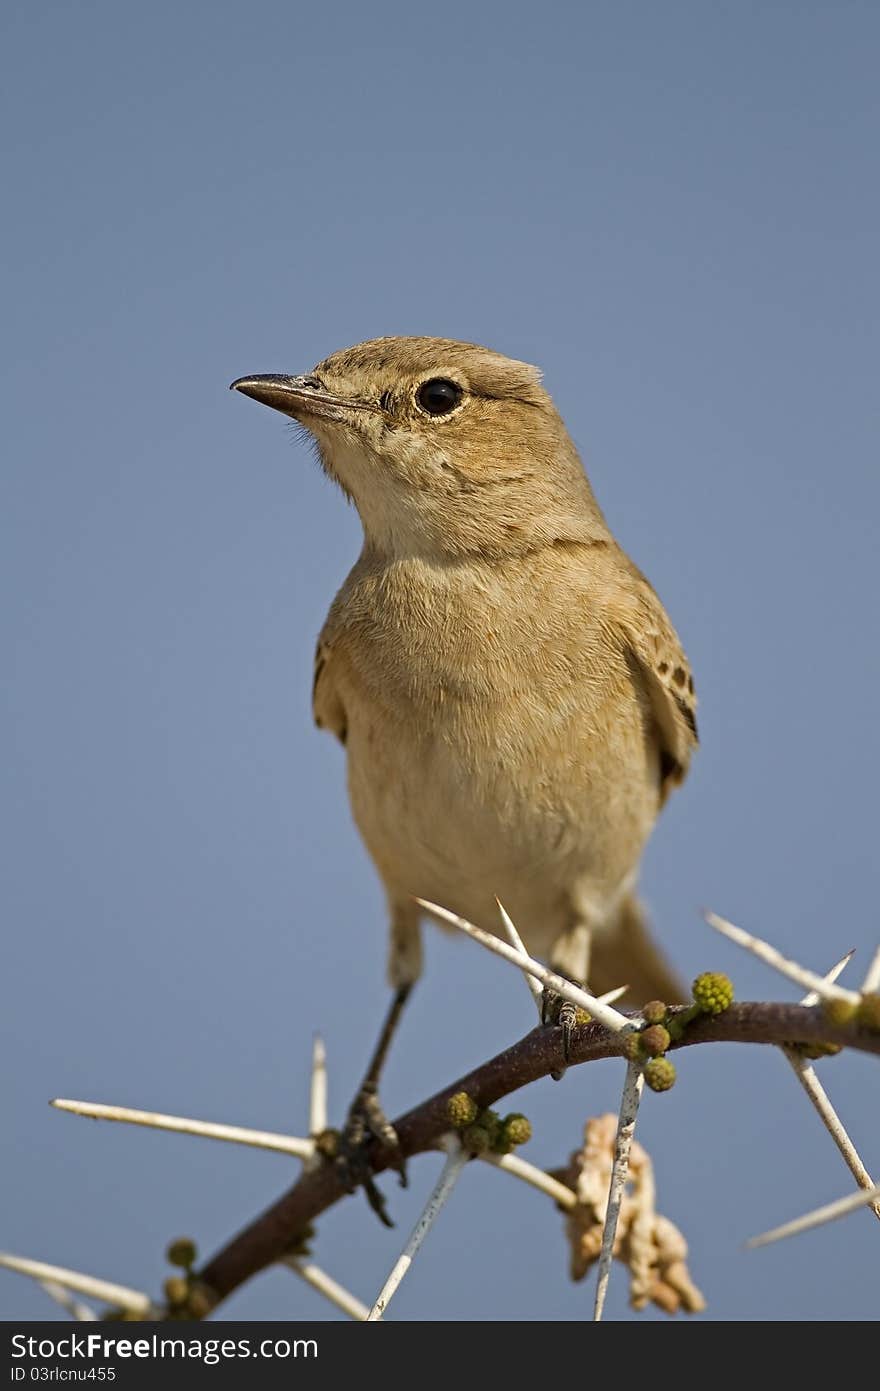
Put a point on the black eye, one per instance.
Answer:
(439, 396)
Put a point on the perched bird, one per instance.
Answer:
(514, 702)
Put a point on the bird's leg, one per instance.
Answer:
(366, 1119)
(571, 959)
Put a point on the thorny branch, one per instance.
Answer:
(278, 1230)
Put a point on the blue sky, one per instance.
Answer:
(674, 211)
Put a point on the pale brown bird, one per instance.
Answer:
(514, 703)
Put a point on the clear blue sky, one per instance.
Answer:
(674, 210)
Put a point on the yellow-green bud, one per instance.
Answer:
(632, 1047)
(654, 1012)
(517, 1129)
(327, 1143)
(582, 1017)
(813, 1051)
(869, 1011)
(713, 992)
(182, 1252)
(200, 1302)
(660, 1074)
(462, 1110)
(176, 1290)
(477, 1139)
(654, 1040)
(839, 1011)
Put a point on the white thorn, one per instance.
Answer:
(771, 957)
(537, 1178)
(456, 1158)
(629, 1110)
(816, 1218)
(517, 943)
(75, 1307)
(871, 983)
(811, 998)
(326, 1285)
(611, 1018)
(183, 1125)
(118, 1296)
(317, 1097)
(808, 1079)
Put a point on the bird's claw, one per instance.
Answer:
(367, 1121)
(557, 1011)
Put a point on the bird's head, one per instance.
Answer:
(447, 449)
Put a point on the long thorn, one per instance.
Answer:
(118, 1296)
(318, 1089)
(871, 983)
(456, 1158)
(517, 943)
(75, 1307)
(605, 1014)
(808, 1079)
(771, 957)
(183, 1125)
(535, 1177)
(816, 1218)
(326, 1285)
(629, 1110)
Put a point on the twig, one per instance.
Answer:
(270, 1234)
(119, 1296)
(771, 957)
(326, 1285)
(605, 1014)
(234, 1134)
(816, 1218)
(629, 1110)
(456, 1158)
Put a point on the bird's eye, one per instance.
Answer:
(439, 396)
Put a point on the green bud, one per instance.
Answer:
(839, 1011)
(660, 1074)
(654, 1012)
(477, 1139)
(713, 992)
(182, 1252)
(654, 1040)
(176, 1290)
(517, 1129)
(461, 1110)
(869, 1011)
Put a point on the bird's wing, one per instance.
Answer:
(327, 706)
(654, 649)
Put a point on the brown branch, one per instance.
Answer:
(271, 1235)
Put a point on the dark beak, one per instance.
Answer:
(298, 396)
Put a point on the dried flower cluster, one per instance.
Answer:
(650, 1245)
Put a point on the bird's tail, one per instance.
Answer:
(628, 954)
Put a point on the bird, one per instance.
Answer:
(514, 702)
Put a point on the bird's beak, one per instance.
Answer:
(298, 397)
